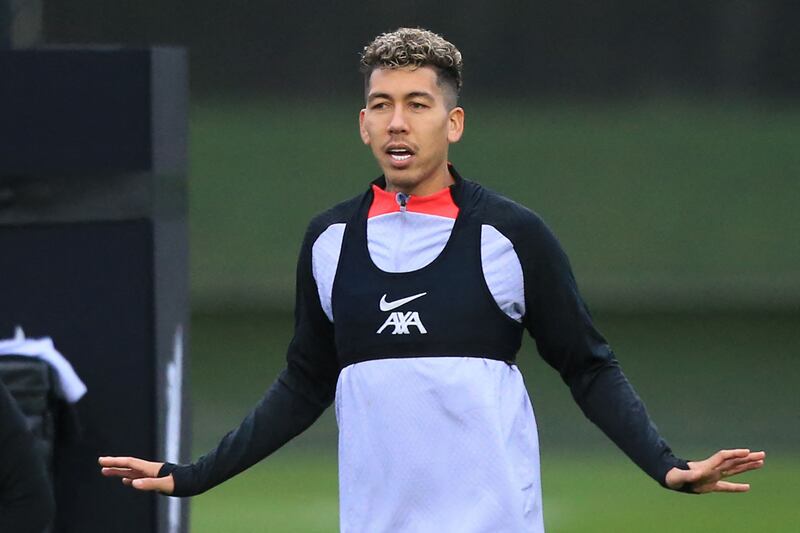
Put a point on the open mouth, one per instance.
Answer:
(399, 153)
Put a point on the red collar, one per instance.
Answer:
(439, 203)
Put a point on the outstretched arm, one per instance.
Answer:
(297, 398)
(709, 475)
(566, 338)
(279, 416)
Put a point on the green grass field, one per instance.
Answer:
(709, 381)
(296, 492)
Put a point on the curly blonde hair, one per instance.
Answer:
(414, 48)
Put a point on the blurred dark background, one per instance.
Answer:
(622, 48)
(658, 139)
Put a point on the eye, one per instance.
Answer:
(379, 105)
(417, 105)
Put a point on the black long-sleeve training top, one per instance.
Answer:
(408, 312)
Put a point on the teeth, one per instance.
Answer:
(399, 154)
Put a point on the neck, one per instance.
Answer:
(425, 186)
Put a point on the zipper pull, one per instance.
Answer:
(402, 200)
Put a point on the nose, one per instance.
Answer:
(398, 123)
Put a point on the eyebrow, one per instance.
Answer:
(414, 94)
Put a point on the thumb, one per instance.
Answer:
(678, 477)
(161, 484)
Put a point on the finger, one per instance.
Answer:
(146, 483)
(752, 456)
(724, 455)
(147, 467)
(744, 467)
(113, 461)
(122, 472)
(160, 484)
(119, 472)
(727, 486)
(119, 462)
(127, 481)
(731, 464)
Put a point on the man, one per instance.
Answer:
(411, 303)
(26, 499)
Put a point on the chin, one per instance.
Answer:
(400, 179)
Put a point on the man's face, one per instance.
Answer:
(409, 128)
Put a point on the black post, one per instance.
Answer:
(94, 243)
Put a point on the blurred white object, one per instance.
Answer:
(174, 402)
(43, 348)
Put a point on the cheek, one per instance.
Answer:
(373, 126)
(440, 138)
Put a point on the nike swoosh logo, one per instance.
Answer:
(388, 306)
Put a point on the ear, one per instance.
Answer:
(455, 124)
(361, 130)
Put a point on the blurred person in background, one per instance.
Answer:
(411, 303)
(26, 498)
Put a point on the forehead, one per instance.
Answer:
(402, 81)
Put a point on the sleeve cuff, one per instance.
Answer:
(166, 469)
(681, 464)
(181, 474)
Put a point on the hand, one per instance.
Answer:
(707, 476)
(137, 473)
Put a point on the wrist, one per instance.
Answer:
(676, 479)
